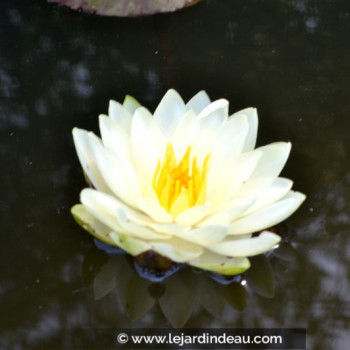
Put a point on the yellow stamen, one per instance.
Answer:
(180, 185)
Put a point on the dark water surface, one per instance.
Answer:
(59, 68)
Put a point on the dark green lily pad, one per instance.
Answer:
(126, 8)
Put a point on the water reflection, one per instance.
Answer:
(117, 282)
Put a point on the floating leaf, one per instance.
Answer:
(126, 8)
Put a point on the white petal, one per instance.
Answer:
(99, 213)
(252, 118)
(220, 264)
(138, 230)
(202, 144)
(169, 112)
(246, 247)
(131, 104)
(278, 188)
(254, 186)
(152, 208)
(269, 215)
(111, 205)
(214, 115)
(130, 244)
(198, 102)
(87, 160)
(120, 115)
(224, 181)
(274, 157)
(171, 229)
(185, 133)
(115, 137)
(117, 216)
(229, 139)
(192, 215)
(148, 145)
(234, 208)
(205, 235)
(118, 173)
(177, 249)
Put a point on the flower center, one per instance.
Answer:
(180, 185)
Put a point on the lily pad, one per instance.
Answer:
(126, 8)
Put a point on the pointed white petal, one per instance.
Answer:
(198, 102)
(278, 188)
(255, 186)
(205, 235)
(177, 249)
(224, 181)
(192, 215)
(220, 264)
(110, 204)
(252, 118)
(87, 160)
(274, 157)
(131, 104)
(202, 144)
(185, 133)
(117, 216)
(98, 211)
(115, 137)
(148, 145)
(246, 247)
(229, 139)
(136, 229)
(169, 229)
(269, 215)
(169, 112)
(120, 115)
(233, 209)
(214, 115)
(118, 173)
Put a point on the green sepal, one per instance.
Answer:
(91, 225)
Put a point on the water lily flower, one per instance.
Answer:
(185, 182)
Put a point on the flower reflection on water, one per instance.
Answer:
(120, 282)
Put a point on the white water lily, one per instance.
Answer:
(185, 182)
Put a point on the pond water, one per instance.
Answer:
(59, 68)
